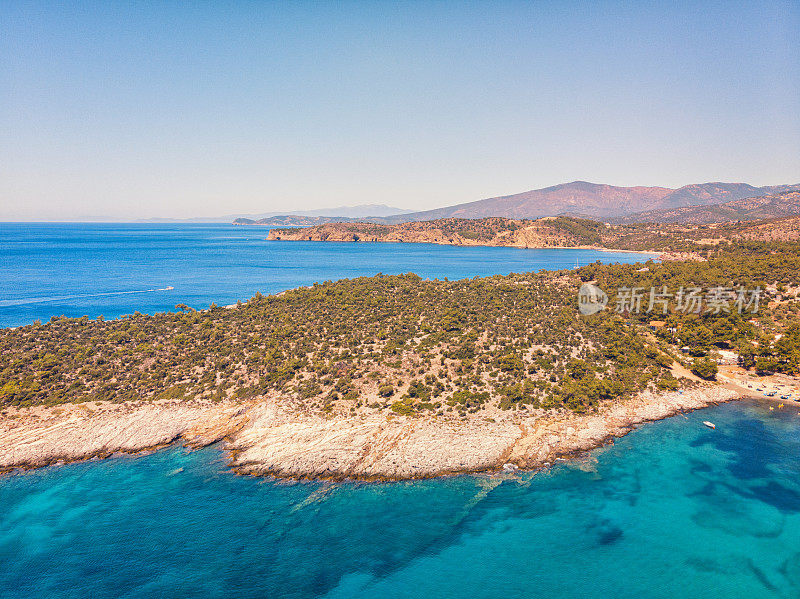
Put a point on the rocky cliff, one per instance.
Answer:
(547, 232)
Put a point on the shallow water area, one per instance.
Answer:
(671, 510)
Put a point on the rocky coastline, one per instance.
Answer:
(270, 436)
(530, 237)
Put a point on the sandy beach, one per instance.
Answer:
(270, 436)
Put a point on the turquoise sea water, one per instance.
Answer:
(115, 269)
(672, 510)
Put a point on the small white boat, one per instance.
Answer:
(709, 424)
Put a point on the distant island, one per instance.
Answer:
(295, 220)
(317, 216)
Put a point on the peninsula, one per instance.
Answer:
(398, 377)
(674, 240)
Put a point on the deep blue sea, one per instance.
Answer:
(674, 510)
(113, 269)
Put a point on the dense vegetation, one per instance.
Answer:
(411, 346)
(392, 341)
(545, 232)
(768, 340)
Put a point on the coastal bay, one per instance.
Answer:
(117, 269)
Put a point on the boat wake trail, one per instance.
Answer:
(57, 298)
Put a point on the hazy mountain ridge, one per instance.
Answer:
(594, 200)
(295, 220)
(339, 213)
(359, 211)
(578, 198)
(771, 206)
(716, 193)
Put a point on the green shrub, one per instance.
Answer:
(705, 368)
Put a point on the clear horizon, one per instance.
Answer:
(132, 112)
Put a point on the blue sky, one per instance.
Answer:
(209, 108)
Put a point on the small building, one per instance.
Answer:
(657, 324)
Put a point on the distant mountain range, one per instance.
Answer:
(579, 198)
(359, 211)
(775, 205)
(298, 220)
(594, 200)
